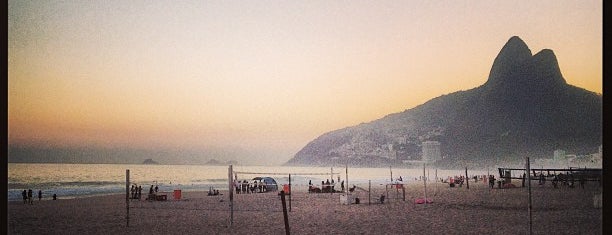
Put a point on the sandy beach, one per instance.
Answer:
(458, 210)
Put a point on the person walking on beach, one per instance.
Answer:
(39, 194)
(24, 194)
(139, 192)
(156, 189)
(30, 196)
(491, 181)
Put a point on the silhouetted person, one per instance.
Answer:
(39, 194)
(54, 196)
(139, 192)
(30, 196)
(541, 179)
(342, 185)
(156, 189)
(24, 194)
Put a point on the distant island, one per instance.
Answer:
(149, 161)
(215, 162)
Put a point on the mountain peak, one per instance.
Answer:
(515, 49)
(515, 67)
(547, 67)
(524, 109)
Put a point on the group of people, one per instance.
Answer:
(456, 180)
(566, 180)
(255, 186)
(153, 192)
(213, 192)
(326, 186)
(135, 191)
(28, 194)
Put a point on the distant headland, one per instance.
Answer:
(149, 161)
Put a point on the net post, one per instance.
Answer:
(127, 197)
(285, 216)
(467, 179)
(290, 192)
(424, 185)
(231, 193)
(529, 188)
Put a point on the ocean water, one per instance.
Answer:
(83, 180)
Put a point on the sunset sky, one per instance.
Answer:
(264, 76)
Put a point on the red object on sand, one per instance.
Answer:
(422, 201)
(177, 194)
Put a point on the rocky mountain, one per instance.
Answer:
(525, 108)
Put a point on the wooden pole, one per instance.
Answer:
(467, 179)
(347, 182)
(489, 176)
(290, 192)
(424, 185)
(285, 216)
(529, 189)
(331, 175)
(127, 197)
(369, 191)
(386, 191)
(436, 181)
(231, 193)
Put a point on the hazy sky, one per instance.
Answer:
(266, 76)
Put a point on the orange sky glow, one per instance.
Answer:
(264, 75)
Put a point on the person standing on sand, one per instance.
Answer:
(39, 194)
(30, 196)
(139, 192)
(24, 194)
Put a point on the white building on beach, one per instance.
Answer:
(431, 151)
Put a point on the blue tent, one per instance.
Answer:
(270, 183)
